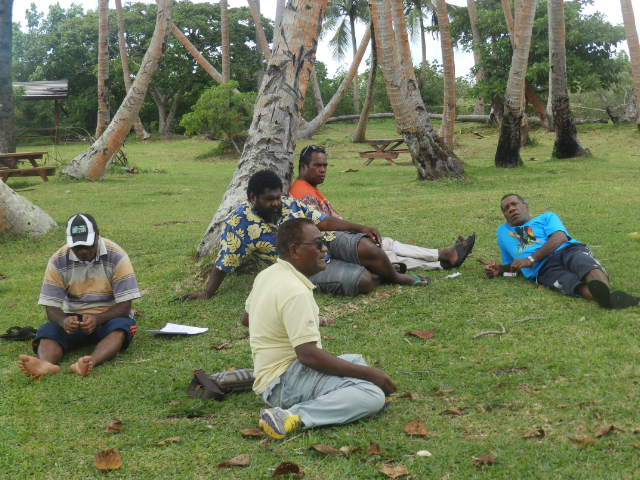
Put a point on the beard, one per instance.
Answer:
(269, 215)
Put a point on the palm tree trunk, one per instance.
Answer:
(314, 125)
(224, 30)
(432, 158)
(126, 71)
(356, 83)
(447, 131)
(634, 49)
(92, 163)
(17, 214)
(103, 67)
(508, 151)
(566, 144)
(476, 41)
(361, 129)
(548, 121)
(7, 122)
(260, 36)
(272, 136)
(317, 93)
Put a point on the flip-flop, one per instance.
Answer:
(620, 299)
(600, 292)
(400, 267)
(463, 252)
(19, 333)
(419, 281)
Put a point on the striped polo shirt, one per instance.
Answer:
(76, 286)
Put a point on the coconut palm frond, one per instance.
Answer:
(341, 39)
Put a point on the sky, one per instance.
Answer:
(463, 60)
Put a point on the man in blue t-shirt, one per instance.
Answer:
(542, 249)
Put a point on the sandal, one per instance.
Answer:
(400, 267)
(419, 280)
(20, 333)
(463, 249)
(620, 299)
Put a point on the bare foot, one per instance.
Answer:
(36, 368)
(83, 366)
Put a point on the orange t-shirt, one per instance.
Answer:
(303, 190)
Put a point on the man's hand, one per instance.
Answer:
(521, 263)
(492, 269)
(71, 324)
(88, 324)
(195, 296)
(382, 380)
(373, 234)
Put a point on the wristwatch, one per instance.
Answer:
(531, 259)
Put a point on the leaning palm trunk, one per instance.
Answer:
(7, 123)
(356, 83)
(447, 131)
(226, 46)
(103, 67)
(260, 36)
(126, 71)
(634, 50)
(432, 158)
(272, 136)
(19, 216)
(566, 144)
(312, 127)
(361, 129)
(92, 163)
(476, 41)
(317, 93)
(508, 151)
(549, 109)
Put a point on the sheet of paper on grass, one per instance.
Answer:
(177, 329)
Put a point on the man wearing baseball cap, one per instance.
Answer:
(88, 288)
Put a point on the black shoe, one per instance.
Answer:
(620, 299)
(600, 292)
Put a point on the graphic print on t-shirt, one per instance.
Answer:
(525, 236)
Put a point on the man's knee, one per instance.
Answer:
(373, 398)
(367, 250)
(368, 282)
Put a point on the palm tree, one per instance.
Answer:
(416, 12)
(634, 49)
(7, 125)
(272, 136)
(508, 151)
(566, 144)
(103, 67)
(18, 214)
(226, 47)
(261, 37)
(92, 163)
(126, 71)
(342, 15)
(447, 130)
(361, 129)
(477, 56)
(432, 158)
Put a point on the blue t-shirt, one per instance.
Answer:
(526, 239)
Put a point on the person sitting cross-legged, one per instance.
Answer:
(312, 170)
(304, 385)
(542, 249)
(87, 291)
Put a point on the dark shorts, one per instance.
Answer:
(53, 331)
(565, 269)
(343, 272)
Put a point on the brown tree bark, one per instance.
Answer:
(7, 122)
(19, 216)
(103, 67)
(634, 49)
(447, 131)
(476, 41)
(272, 136)
(226, 47)
(166, 109)
(361, 129)
(92, 163)
(431, 157)
(126, 71)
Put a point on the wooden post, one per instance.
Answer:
(56, 119)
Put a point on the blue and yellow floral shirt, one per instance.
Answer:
(246, 233)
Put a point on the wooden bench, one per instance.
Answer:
(9, 165)
(385, 148)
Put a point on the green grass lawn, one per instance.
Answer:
(570, 371)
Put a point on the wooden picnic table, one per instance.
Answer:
(384, 148)
(9, 165)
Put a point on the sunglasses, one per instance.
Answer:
(319, 243)
(312, 148)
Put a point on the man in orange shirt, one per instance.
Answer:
(312, 172)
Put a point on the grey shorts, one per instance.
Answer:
(565, 269)
(343, 272)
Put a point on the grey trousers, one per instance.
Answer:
(322, 399)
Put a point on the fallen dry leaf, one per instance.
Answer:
(349, 170)
(348, 450)
(584, 441)
(410, 395)
(167, 441)
(2, 277)
(453, 411)
(636, 430)
(394, 471)
(483, 460)
(108, 459)
(326, 449)
(222, 346)
(374, 449)
(330, 339)
(424, 334)
(534, 433)
(443, 390)
(285, 468)
(416, 427)
(252, 432)
(114, 426)
(606, 430)
(239, 461)
(327, 322)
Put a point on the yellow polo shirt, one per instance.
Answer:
(282, 315)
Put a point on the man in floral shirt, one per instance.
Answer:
(357, 263)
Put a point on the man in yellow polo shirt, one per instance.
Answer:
(304, 385)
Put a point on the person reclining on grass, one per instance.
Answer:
(544, 251)
(87, 291)
(304, 385)
(312, 172)
(357, 264)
